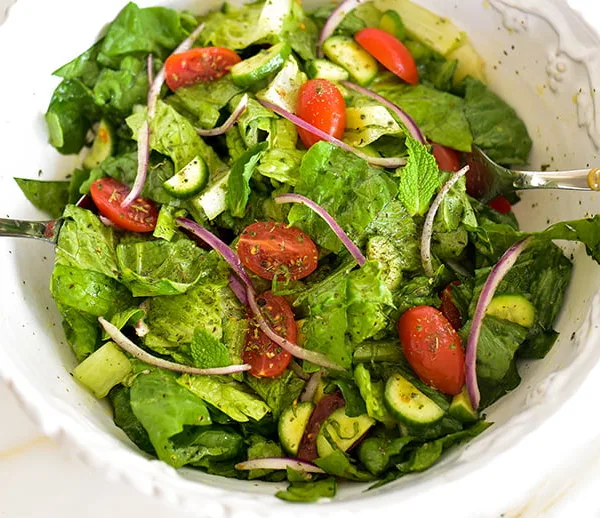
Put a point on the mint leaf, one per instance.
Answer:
(238, 185)
(207, 351)
(420, 178)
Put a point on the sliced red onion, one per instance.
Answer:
(279, 463)
(105, 221)
(295, 350)
(150, 69)
(388, 163)
(143, 137)
(137, 352)
(141, 328)
(414, 130)
(228, 124)
(333, 224)
(428, 225)
(496, 275)
(238, 288)
(311, 386)
(221, 248)
(335, 18)
(299, 371)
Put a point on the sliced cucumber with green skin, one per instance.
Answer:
(408, 404)
(102, 147)
(341, 430)
(324, 69)
(292, 424)
(253, 70)
(348, 54)
(392, 24)
(515, 308)
(189, 181)
(461, 408)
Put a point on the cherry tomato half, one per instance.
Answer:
(265, 357)
(321, 104)
(448, 308)
(268, 249)
(198, 65)
(390, 52)
(324, 408)
(108, 194)
(447, 158)
(433, 348)
(500, 204)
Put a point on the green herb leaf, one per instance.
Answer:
(207, 351)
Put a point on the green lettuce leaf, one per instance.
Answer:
(173, 135)
(238, 185)
(85, 242)
(70, 115)
(230, 397)
(126, 420)
(279, 392)
(309, 491)
(84, 67)
(164, 408)
(496, 127)
(350, 189)
(151, 268)
(48, 196)
(82, 331)
(156, 30)
(440, 115)
(419, 179)
(89, 291)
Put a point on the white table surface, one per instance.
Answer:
(39, 479)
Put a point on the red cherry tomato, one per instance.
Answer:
(198, 65)
(390, 52)
(433, 348)
(446, 157)
(324, 408)
(265, 357)
(501, 205)
(268, 249)
(448, 308)
(321, 104)
(140, 216)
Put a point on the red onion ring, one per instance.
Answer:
(496, 275)
(335, 18)
(311, 386)
(143, 137)
(128, 346)
(333, 224)
(412, 127)
(279, 463)
(228, 124)
(428, 225)
(238, 288)
(388, 163)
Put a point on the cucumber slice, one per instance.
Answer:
(292, 424)
(189, 181)
(102, 147)
(341, 430)
(348, 54)
(408, 404)
(253, 70)
(103, 369)
(213, 201)
(461, 408)
(515, 308)
(392, 24)
(324, 69)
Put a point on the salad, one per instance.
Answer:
(273, 261)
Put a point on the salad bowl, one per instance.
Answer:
(542, 58)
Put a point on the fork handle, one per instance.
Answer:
(578, 179)
(45, 230)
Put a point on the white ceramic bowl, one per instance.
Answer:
(543, 59)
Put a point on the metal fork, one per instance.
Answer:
(493, 179)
